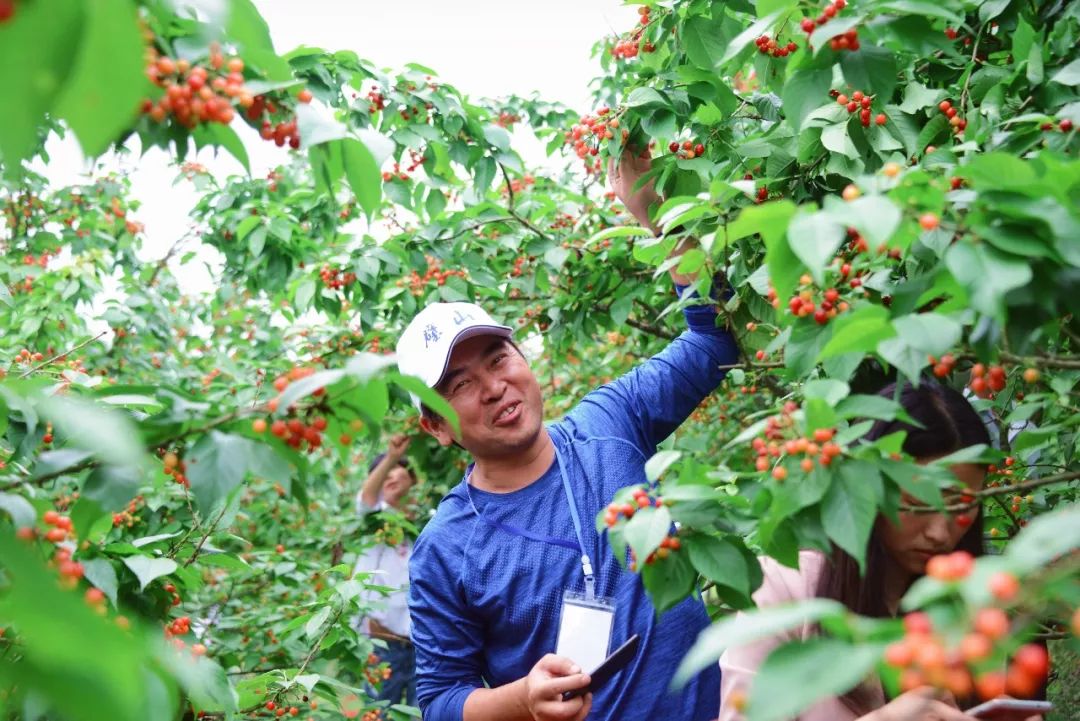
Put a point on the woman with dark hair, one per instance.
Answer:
(896, 557)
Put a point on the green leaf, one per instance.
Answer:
(61, 638)
(646, 529)
(830, 390)
(875, 407)
(304, 387)
(363, 174)
(669, 581)
(101, 97)
(216, 465)
(317, 126)
(20, 510)
(497, 136)
(805, 91)
(217, 134)
(660, 462)
(107, 433)
(1046, 537)
(875, 216)
(858, 331)
(744, 628)
(814, 238)
(987, 274)
(45, 37)
(910, 361)
(836, 138)
(917, 96)
(850, 507)
(645, 97)
(100, 572)
(1068, 75)
(146, 568)
(113, 486)
(704, 40)
(990, 9)
(931, 333)
(798, 674)
(305, 292)
(247, 28)
(720, 561)
(257, 241)
(871, 68)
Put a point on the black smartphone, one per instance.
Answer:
(1009, 709)
(611, 665)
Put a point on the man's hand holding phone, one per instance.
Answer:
(545, 685)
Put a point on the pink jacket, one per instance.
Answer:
(738, 665)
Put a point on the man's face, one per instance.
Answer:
(496, 396)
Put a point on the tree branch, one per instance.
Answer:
(516, 215)
(60, 355)
(995, 491)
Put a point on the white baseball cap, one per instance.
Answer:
(424, 348)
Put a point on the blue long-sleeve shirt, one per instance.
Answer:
(485, 603)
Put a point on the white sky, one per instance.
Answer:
(485, 48)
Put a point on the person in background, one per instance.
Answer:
(386, 487)
(896, 557)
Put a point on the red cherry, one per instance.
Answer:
(1003, 586)
(991, 622)
(950, 33)
(881, 119)
(917, 623)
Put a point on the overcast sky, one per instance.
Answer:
(486, 48)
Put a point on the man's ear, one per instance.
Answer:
(438, 429)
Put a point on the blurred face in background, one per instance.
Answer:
(916, 537)
(396, 486)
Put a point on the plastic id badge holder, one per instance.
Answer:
(585, 629)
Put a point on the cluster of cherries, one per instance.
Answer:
(958, 124)
(803, 304)
(196, 93)
(507, 119)
(416, 159)
(517, 185)
(40, 261)
(642, 499)
(687, 149)
(1064, 125)
(129, 516)
(781, 439)
(846, 41)
(985, 382)
(630, 47)
(924, 658)
(419, 283)
(769, 46)
(375, 671)
(586, 135)
(174, 466)
(25, 357)
(336, 278)
(861, 103)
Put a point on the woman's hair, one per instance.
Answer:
(949, 423)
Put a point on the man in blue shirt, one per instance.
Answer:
(489, 572)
